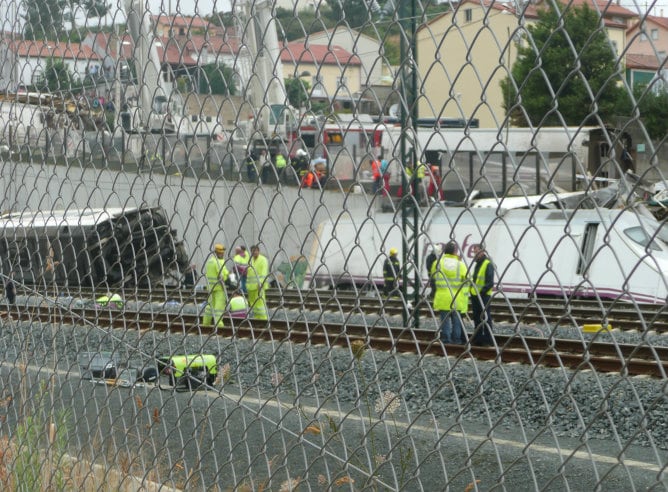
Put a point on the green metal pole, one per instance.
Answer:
(408, 122)
(402, 153)
(417, 281)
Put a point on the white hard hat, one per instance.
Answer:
(300, 153)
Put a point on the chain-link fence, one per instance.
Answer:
(333, 246)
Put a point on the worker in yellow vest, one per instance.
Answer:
(110, 300)
(216, 276)
(451, 298)
(481, 294)
(238, 307)
(258, 270)
(203, 368)
(281, 164)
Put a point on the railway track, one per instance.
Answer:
(625, 359)
(553, 312)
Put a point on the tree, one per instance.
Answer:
(44, 19)
(221, 19)
(57, 77)
(651, 103)
(91, 9)
(216, 79)
(551, 82)
(290, 27)
(297, 91)
(95, 8)
(356, 13)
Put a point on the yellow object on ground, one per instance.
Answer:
(595, 328)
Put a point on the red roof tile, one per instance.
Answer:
(318, 54)
(56, 49)
(642, 62)
(650, 19)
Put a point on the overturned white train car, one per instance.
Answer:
(598, 253)
(111, 247)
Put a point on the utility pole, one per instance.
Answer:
(117, 76)
(410, 245)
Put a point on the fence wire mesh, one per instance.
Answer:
(454, 247)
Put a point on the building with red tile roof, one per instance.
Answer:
(26, 60)
(647, 49)
(333, 71)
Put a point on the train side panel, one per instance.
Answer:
(558, 253)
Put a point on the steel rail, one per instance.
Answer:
(576, 312)
(625, 359)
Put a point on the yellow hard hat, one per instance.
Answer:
(393, 251)
(219, 248)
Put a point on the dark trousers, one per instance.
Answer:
(251, 173)
(482, 320)
(266, 174)
(389, 287)
(452, 328)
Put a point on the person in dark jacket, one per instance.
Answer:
(10, 290)
(251, 166)
(391, 269)
(432, 257)
(481, 294)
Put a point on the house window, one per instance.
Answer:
(643, 36)
(317, 80)
(38, 76)
(468, 15)
(182, 31)
(655, 34)
(341, 81)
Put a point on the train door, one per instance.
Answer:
(586, 256)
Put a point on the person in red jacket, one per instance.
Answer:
(376, 175)
(434, 189)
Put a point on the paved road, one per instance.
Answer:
(198, 440)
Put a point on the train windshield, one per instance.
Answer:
(655, 242)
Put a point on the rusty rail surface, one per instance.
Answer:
(626, 359)
(550, 311)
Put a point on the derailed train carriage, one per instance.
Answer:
(112, 247)
(553, 252)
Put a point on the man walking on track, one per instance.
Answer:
(258, 270)
(481, 293)
(451, 299)
(216, 276)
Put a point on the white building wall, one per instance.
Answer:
(28, 67)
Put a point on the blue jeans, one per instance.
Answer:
(452, 328)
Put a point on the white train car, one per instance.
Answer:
(606, 253)
(110, 247)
